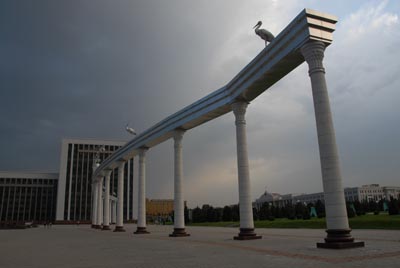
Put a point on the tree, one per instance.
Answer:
(235, 213)
(186, 212)
(320, 208)
(197, 215)
(227, 213)
(393, 206)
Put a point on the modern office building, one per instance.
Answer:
(74, 196)
(27, 197)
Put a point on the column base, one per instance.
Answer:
(93, 226)
(119, 229)
(141, 230)
(179, 232)
(97, 226)
(106, 228)
(340, 239)
(247, 234)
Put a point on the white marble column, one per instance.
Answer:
(245, 202)
(99, 202)
(141, 222)
(94, 204)
(335, 205)
(179, 207)
(110, 210)
(106, 216)
(114, 212)
(120, 204)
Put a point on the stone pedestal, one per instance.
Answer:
(179, 232)
(340, 239)
(141, 230)
(247, 234)
(119, 229)
(335, 205)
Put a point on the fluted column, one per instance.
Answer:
(94, 204)
(335, 205)
(179, 207)
(106, 216)
(245, 204)
(114, 211)
(141, 223)
(120, 203)
(99, 202)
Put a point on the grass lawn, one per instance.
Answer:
(370, 221)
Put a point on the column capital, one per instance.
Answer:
(143, 150)
(313, 53)
(239, 110)
(178, 134)
(107, 173)
(121, 164)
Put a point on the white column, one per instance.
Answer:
(114, 213)
(335, 205)
(94, 204)
(179, 210)
(106, 216)
(99, 202)
(110, 210)
(120, 205)
(141, 222)
(245, 204)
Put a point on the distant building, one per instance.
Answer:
(163, 208)
(74, 196)
(159, 207)
(27, 197)
(364, 193)
(274, 198)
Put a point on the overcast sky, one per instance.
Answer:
(84, 69)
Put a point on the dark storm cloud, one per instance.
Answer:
(86, 68)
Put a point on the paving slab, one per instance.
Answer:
(81, 246)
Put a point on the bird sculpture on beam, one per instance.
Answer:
(264, 34)
(130, 130)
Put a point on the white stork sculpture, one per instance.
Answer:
(130, 130)
(264, 34)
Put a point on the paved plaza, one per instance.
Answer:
(81, 246)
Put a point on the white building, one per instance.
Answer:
(364, 193)
(74, 196)
(27, 197)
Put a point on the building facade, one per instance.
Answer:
(159, 207)
(27, 197)
(369, 192)
(74, 195)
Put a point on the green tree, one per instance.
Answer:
(227, 213)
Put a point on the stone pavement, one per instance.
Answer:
(81, 246)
